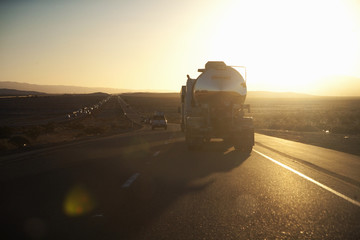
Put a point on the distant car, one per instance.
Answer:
(158, 121)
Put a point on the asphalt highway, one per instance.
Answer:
(146, 185)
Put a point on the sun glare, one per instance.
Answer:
(287, 45)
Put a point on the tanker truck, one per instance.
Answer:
(212, 106)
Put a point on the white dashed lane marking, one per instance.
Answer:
(130, 180)
(155, 154)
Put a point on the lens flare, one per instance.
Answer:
(78, 201)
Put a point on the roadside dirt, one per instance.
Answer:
(107, 120)
(340, 142)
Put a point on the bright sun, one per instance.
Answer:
(287, 45)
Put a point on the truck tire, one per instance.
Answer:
(246, 142)
(243, 148)
(193, 143)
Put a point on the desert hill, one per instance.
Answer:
(265, 94)
(16, 88)
(57, 89)
(251, 94)
(34, 89)
(14, 92)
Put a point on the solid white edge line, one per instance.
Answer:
(311, 180)
(130, 180)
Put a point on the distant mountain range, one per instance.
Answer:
(14, 92)
(21, 89)
(251, 94)
(264, 94)
(56, 89)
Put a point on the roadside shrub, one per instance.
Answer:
(5, 132)
(5, 145)
(76, 126)
(93, 130)
(306, 128)
(338, 115)
(19, 141)
(49, 127)
(33, 132)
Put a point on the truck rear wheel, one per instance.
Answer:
(243, 148)
(193, 143)
(244, 144)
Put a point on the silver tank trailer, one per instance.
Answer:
(219, 85)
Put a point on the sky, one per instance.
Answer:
(307, 46)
